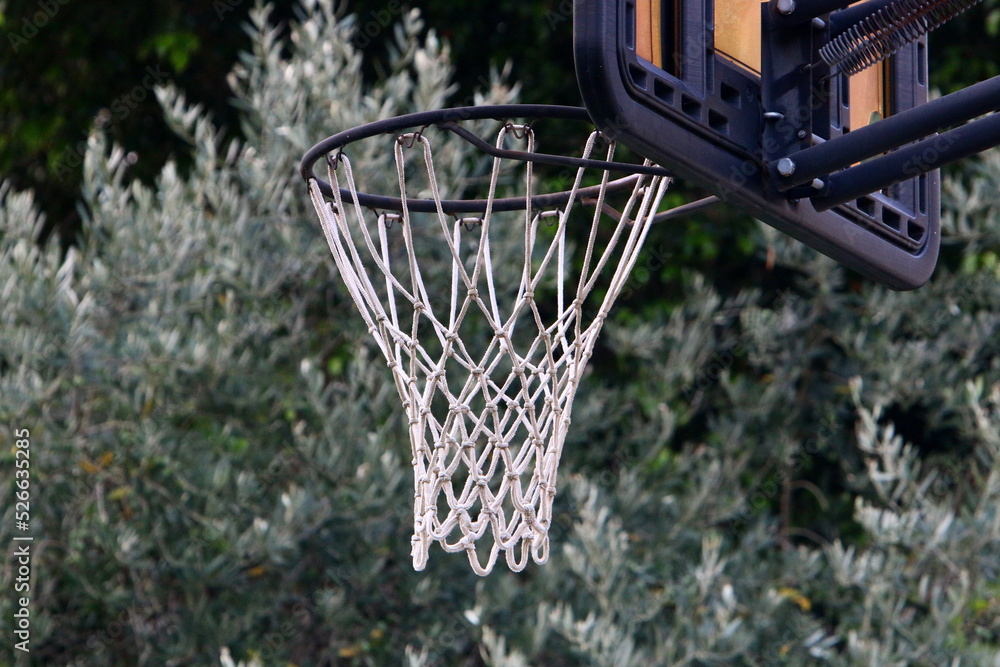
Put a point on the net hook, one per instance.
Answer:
(410, 139)
(469, 222)
(334, 161)
(520, 130)
(389, 218)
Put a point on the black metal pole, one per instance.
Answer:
(910, 161)
(866, 142)
(844, 19)
(792, 13)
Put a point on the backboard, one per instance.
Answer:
(680, 81)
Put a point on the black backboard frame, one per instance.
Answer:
(707, 123)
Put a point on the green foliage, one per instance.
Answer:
(174, 47)
(221, 471)
(962, 50)
(70, 66)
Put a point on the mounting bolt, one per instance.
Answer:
(802, 134)
(786, 167)
(818, 23)
(785, 7)
(818, 184)
(773, 115)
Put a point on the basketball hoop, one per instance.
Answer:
(487, 352)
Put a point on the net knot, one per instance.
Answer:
(473, 293)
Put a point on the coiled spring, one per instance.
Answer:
(878, 36)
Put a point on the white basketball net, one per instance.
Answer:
(487, 425)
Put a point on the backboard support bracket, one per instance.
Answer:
(792, 92)
(795, 89)
(829, 145)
